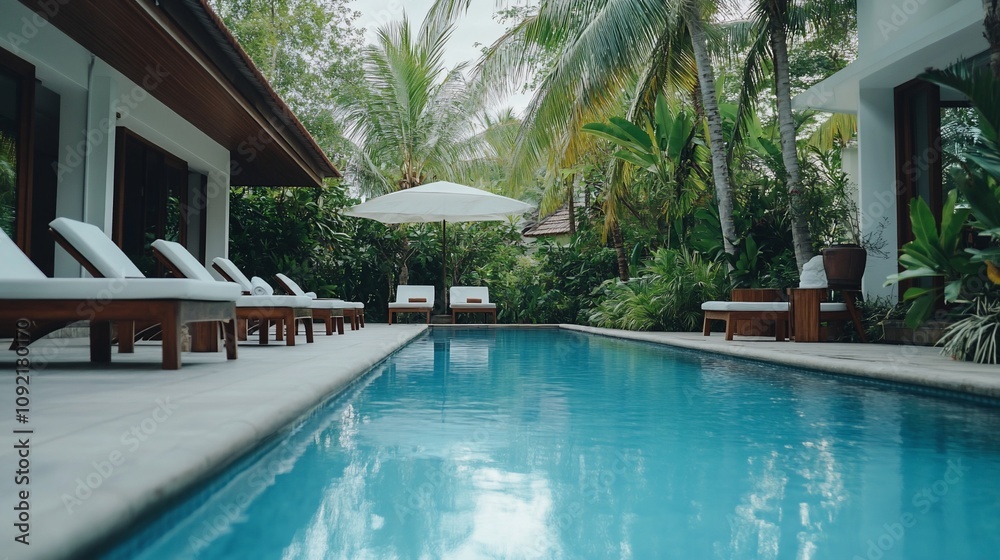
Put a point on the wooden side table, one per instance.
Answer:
(803, 313)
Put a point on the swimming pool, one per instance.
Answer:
(550, 444)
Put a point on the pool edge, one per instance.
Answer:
(102, 539)
(902, 371)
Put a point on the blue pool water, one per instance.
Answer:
(549, 444)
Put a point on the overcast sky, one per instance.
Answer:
(477, 26)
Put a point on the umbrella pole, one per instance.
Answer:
(444, 264)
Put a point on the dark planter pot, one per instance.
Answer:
(755, 327)
(845, 266)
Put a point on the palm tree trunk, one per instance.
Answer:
(572, 211)
(619, 243)
(801, 241)
(716, 140)
(992, 24)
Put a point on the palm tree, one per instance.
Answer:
(771, 24)
(414, 122)
(415, 119)
(607, 48)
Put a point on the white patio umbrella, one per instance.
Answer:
(439, 202)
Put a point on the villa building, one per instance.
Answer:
(899, 116)
(135, 116)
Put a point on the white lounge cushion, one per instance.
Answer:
(292, 285)
(764, 307)
(97, 248)
(396, 305)
(350, 304)
(473, 306)
(16, 265)
(328, 304)
(772, 307)
(234, 272)
(404, 293)
(100, 289)
(272, 301)
(183, 260)
(461, 294)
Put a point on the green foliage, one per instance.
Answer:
(936, 252)
(556, 284)
(296, 231)
(666, 294)
(8, 184)
(976, 337)
(309, 50)
(669, 155)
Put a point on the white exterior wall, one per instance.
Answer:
(91, 93)
(883, 21)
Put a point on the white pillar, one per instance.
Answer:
(99, 182)
(877, 189)
(217, 216)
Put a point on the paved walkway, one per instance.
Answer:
(110, 445)
(917, 365)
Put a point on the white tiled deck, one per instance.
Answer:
(165, 429)
(169, 430)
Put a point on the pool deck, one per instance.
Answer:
(914, 365)
(114, 444)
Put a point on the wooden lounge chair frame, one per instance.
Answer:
(730, 318)
(325, 315)
(284, 318)
(172, 314)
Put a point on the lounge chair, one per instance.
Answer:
(413, 299)
(32, 304)
(283, 310)
(328, 310)
(471, 299)
(813, 278)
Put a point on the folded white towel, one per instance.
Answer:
(260, 287)
(311, 295)
(813, 274)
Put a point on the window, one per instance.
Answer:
(17, 80)
(156, 197)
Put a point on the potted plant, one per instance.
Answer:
(847, 250)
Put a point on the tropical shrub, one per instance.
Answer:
(937, 252)
(556, 284)
(666, 295)
(970, 275)
(976, 337)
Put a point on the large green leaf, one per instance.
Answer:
(633, 132)
(920, 310)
